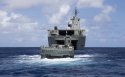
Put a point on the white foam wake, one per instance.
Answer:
(84, 56)
(36, 59)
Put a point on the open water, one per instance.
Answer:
(90, 62)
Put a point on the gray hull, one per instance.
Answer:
(57, 52)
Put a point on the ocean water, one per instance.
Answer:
(90, 62)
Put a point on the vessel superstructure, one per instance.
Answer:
(56, 36)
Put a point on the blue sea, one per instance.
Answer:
(90, 62)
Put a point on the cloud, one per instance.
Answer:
(90, 3)
(18, 4)
(3, 17)
(107, 9)
(95, 26)
(15, 21)
(53, 10)
(104, 16)
(18, 28)
(57, 17)
(56, 10)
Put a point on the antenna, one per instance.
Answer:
(76, 12)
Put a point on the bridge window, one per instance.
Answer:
(70, 32)
(62, 32)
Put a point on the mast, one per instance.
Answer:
(76, 12)
(74, 21)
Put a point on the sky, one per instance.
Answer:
(24, 23)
